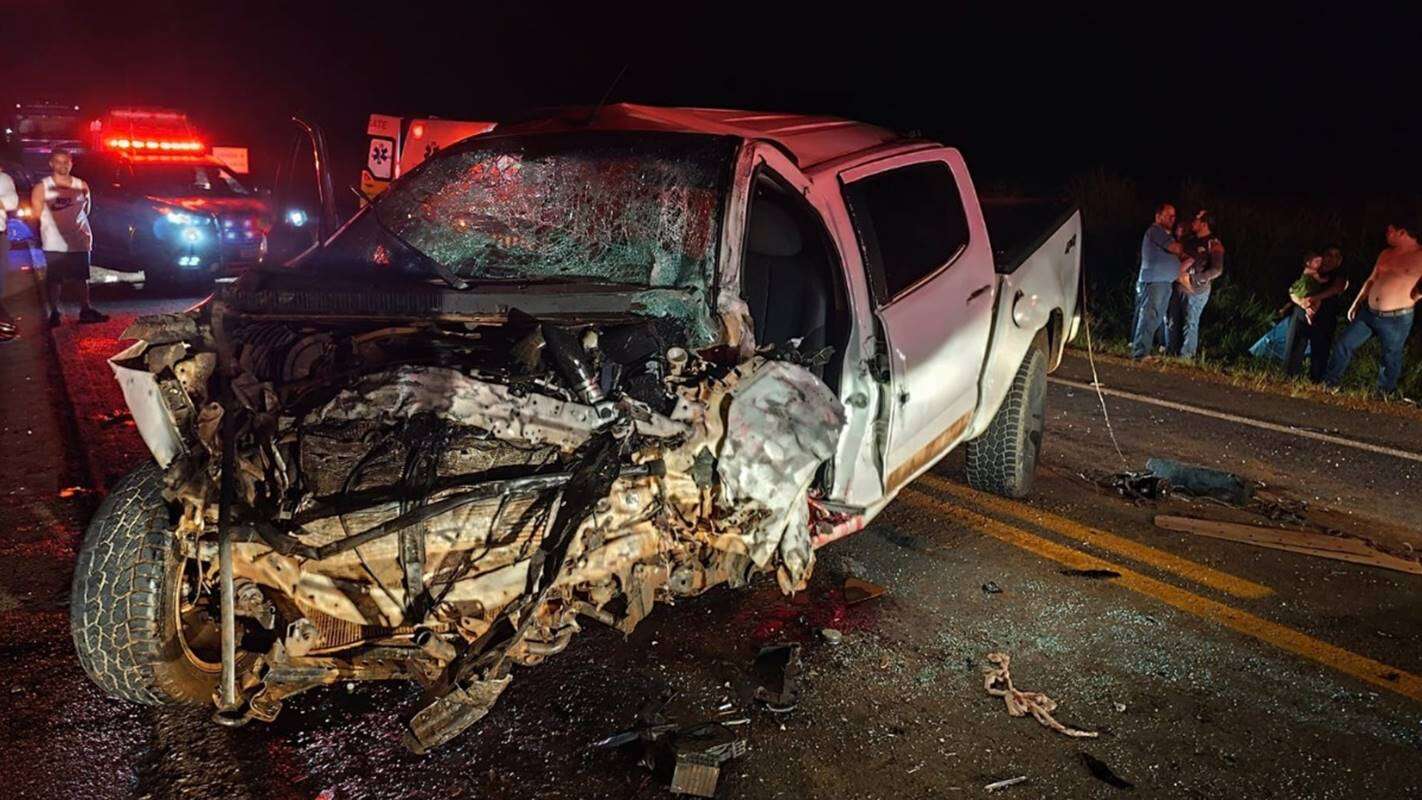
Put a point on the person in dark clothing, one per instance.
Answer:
(1314, 317)
(1202, 261)
(9, 202)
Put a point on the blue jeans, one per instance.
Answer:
(1152, 304)
(1182, 332)
(1391, 331)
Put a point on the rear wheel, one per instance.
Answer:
(1003, 459)
(143, 624)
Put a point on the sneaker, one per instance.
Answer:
(55, 318)
(90, 315)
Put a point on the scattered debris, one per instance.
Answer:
(118, 416)
(857, 590)
(1136, 485)
(832, 636)
(1199, 481)
(74, 491)
(992, 787)
(991, 587)
(1094, 574)
(998, 683)
(700, 752)
(1101, 772)
(852, 567)
(1338, 548)
(777, 669)
(1120, 707)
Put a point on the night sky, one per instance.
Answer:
(1300, 102)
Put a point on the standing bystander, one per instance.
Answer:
(1160, 266)
(9, 202)
(63, 203)
(1388, 300)
(1204, 261)
(1317, 301)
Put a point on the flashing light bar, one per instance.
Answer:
(157, 146)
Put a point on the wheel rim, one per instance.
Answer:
(199, 634)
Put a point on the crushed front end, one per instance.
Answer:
(439, 499)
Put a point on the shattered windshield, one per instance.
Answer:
(642, 209)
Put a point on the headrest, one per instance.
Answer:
(773, 231)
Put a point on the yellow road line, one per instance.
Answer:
(1160, 559)
(1280, 636)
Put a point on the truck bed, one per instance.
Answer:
(1019, 225)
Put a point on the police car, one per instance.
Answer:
(164, 205)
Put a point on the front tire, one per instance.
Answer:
(1003, 459)
(134, 609)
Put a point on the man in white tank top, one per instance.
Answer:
(63, 203)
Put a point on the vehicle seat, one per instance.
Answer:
(786, 287)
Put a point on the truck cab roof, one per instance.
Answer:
(809, 140)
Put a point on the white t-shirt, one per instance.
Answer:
(9, 200)
(64, 220)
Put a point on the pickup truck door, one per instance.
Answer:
(930, 268)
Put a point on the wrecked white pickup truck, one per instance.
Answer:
(556, 375)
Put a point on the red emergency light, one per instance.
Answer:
(156, 145)
(147, 130)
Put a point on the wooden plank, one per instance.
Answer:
(1312, 544)
(1258, 534)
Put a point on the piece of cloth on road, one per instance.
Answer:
(1154, 304)
(1391, 328)
(997, 680)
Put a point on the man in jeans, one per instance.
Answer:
(1192, 290)
(1391, 293)
(9, 201)
(1160, 266)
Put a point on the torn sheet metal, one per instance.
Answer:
(782, 424)
(526, 418)
(156, 329)
(401, 394)
(151, 414)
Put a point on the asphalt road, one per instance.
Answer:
(1209, 669)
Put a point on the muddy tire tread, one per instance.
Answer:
(997, 460)
(116, 601)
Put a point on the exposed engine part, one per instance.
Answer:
(445, 504)
(572, 361)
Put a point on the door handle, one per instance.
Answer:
(979, 292)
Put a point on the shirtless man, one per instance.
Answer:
(1392, 292)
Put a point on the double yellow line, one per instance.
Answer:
(927, 494)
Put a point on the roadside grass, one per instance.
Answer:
(1265, 237)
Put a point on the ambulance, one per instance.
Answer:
(396, 145)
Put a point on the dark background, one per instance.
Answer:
(1303, 101)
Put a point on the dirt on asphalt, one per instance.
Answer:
(1185, 706)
